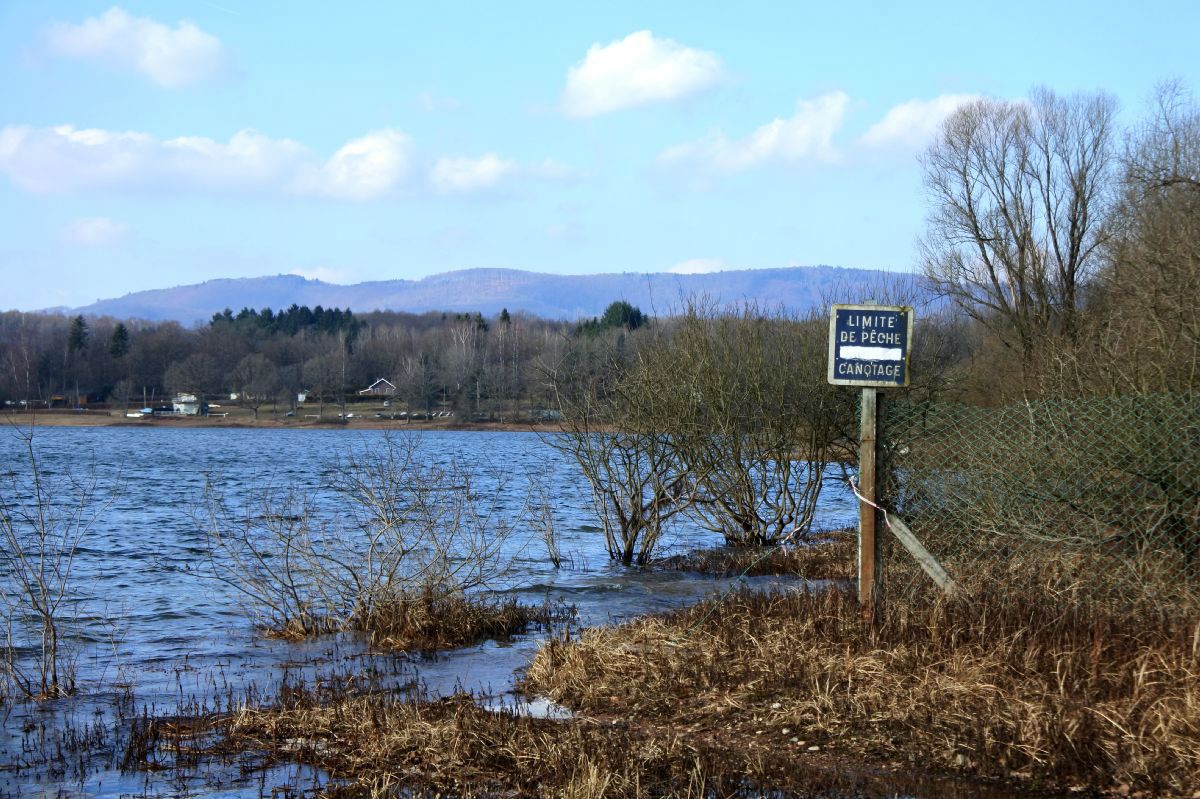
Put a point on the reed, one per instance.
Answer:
(378, 744)
(991, 685)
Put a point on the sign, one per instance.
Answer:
(869, 345)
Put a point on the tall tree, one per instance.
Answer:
(77, 341)
(1018, 195)
(323, 377)
(198, 373)
(1147, 303)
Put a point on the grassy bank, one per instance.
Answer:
(992, 693)
(1028, 693)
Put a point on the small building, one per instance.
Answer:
(380, 388)
(189, 405)
(302, 396)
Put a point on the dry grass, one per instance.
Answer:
(429, 623)
(987, 695)
(991, 685)
(828, 556)
(382, 745)
(1127, 575)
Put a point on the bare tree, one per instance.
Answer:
(323, 373)
(417, 382)
(1019, 194)
(198, 373)
(257, 381)
(541, 518)
(121, 392)
(42, 522)
(1149, 319)
(1142, 325)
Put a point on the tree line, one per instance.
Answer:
(477, 366)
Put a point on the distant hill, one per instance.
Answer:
(489, 290)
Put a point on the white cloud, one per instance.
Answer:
(171, 57)
(364, 168)
(698, 266)
(489, 172)
(468, 175)
(912, 124)
(637, 70)
(806, 135)
(66, 158)
(94, 231)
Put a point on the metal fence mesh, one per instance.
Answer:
(1097, 498)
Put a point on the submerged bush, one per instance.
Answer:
(387, 544)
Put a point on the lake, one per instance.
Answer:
(157, 631)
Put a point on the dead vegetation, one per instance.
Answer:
(377, 744)
(991, 685)
(431, 623)
(783, 694)
(827, 556)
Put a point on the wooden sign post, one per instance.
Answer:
(869, 347)
(870, 556)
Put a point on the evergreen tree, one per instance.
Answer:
(622, 314)
(77, 339)
(617, 314)
(118, 346)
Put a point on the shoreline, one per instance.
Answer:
(791, 694)
(106, 419)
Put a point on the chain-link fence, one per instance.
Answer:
(1097, 498)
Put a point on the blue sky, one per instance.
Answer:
(151, 144)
